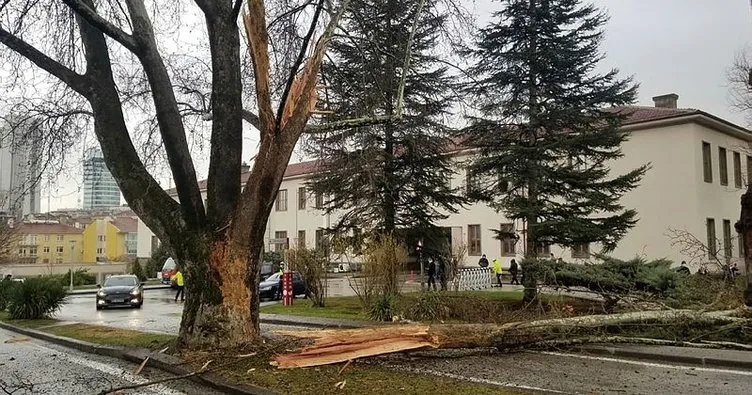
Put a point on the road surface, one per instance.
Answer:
(160, 313)
(572, 373)
(36, 367)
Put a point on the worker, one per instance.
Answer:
(178, 278)
(497, 270)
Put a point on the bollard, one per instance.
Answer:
(412, 276)
(287, 290)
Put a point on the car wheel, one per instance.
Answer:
(138, 306)
(99, 307)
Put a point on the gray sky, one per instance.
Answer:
(669, 46)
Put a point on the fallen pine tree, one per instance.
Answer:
(334, 346)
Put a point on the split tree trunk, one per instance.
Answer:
(744, 226)
(334, 346)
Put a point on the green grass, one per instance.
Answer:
(109, 336)
(31, 324)
(346, 307)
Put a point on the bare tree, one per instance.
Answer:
(7, 237)
(217, 246)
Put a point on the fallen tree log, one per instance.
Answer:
(334, 346)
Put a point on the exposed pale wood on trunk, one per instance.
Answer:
(334, 346)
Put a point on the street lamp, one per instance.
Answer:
(72, 249)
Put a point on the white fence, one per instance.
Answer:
(473, 278)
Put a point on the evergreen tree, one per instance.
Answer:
(392, 177)
(546, 132)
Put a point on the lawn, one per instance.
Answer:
(347, 307)
(109, 336)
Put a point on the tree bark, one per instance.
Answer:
(744, 226)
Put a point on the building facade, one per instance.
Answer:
(687, 203)
(100, 189)
(47, 243)
(110, 240)
(20, 172)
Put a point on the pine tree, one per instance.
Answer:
(545, 134)
(392, 177)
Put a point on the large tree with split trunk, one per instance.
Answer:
(218, 246)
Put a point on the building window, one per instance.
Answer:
(282, 200)
(319, 239)
(301, 239)
(707, 164)
(543, 250)
(737, 170)
(46, 250)
(581, 250)
(301, 198)
(46, 237)
(101, 238)
(59, 260)
(22, 251)
(280, 240)
(60, 250)
(508, 239)
(60, 237)
(749, 169)
(710, 229)
(100, 251)
(727, 238)
(723, 165)
(32, 251)
(473, 240)
(319, 200)
(472, 184)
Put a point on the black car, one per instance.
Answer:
(123, 290)
(268, 289)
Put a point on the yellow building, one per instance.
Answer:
(42, 243)
(110, 240)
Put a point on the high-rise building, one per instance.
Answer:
(100, 188)
(20, 171)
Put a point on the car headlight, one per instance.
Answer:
(101, 293)
(135, 291)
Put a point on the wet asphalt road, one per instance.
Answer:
(37, 367)
(160, 313)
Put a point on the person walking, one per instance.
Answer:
(483, 262)
(442, 275)
(497, 270)
(178, 278)
(513, 269)
(431, 274)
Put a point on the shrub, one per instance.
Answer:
(712, 292)
(383, 260)
(137, 270)
(36, 298)
(80, 277)
(383, 307)
(429, 306)
(311, 265)
(6, 285)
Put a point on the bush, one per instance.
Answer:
(35, 298)
(712, 292)
(383, 307)
(383, 260)
(311, 265)
(429, 306)
(5, 289)
(137, 270)
(80, 277)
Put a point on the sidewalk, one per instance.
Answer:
(95, 290)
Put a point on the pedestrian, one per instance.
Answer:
(442, 274)
(497, 270)
(431, 274)
(281, 285)
(513, 268)
(178, 278)
(483, 262)
(683, 269)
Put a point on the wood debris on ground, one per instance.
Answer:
(17, 339)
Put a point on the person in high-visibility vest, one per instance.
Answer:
(178, 278)
(497, 270)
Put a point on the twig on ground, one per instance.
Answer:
(141, 366)
(344, 367)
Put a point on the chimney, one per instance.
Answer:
(245, 167)
(666, 101)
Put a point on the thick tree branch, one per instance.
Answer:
(102, 24)
(408, 58)
(258, 39)
(252, 118)
(168, 115)
(299, 60)
(75, 81)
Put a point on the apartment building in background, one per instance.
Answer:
(700, 166)
(47, 243)
(100, 190)
(110, 240)
(20, 172)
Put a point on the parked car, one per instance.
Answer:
(120, 290)
(269, 287)
(169, 269)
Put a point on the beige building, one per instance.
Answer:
(700, 165)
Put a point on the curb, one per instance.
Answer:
(93, 291)
(665, 357)
(163, 362)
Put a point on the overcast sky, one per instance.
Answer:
(669, 46)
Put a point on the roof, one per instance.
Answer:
(635, 115)
(126, 224)
(41, 229)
